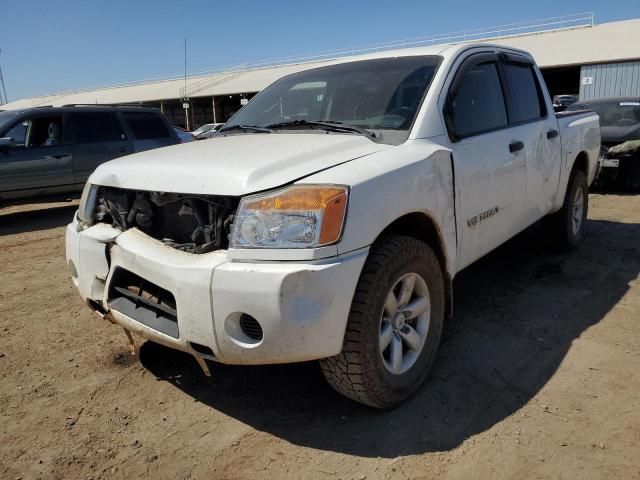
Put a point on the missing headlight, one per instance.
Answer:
(191, 223)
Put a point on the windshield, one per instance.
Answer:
(381, 95)
(613, 114)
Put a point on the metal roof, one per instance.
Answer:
(607, 42)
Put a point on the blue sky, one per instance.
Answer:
(50, 46)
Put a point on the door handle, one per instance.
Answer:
(515, 146)
(553, 133)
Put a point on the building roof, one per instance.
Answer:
(607, 42)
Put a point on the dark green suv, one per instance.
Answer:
(50, 150)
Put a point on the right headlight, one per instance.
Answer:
(87, 203)
(300, 216)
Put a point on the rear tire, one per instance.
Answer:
(394, 325)
(566, 226)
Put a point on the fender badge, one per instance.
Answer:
(473, 221)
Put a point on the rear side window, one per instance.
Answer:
(477, 104)
(95, 127)
(526, 98)
(146, 126)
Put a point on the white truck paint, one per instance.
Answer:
(462, 196)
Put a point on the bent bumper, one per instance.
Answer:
(302, 307)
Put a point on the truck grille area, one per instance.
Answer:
(143, 301)
(191, 223)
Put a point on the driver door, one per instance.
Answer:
(489, 158)
(33, 162)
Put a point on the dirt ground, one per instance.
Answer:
(538, 377)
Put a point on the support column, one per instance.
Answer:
(213, 104)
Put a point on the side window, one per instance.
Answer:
(44, 131)
(146, 126)
(477, 105)
(94, 127)
(526, 99)
(18, 134)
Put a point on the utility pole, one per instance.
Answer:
(3, 96)
(185, 100)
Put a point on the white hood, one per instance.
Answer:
(233, 165)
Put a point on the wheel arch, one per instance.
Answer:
(581, 163)
(421, 226)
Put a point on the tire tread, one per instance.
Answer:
(349, 373)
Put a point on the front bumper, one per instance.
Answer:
(302, 307)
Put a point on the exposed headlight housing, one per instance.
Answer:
(300, 216)
(87, 203)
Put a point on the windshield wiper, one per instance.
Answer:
(251, 128)
(324, 125)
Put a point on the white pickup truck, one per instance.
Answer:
(331, 214)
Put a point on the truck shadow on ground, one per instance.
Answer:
(518, 311)
(34, 220)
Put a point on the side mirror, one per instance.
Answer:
(5, 144)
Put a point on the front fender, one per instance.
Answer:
(416, 176)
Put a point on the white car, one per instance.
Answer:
(329, 217)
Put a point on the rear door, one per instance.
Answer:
(149, 130)
(533, 123)
(97, 138)
(40, 156)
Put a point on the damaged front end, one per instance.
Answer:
(157, 264)
(103, 261)
(190, 223)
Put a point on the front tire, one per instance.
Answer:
(394, 325)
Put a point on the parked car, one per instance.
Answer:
(183, 134)
(201, 129)
(561, 102)
(620, 131)
(52, 150)
(207, 131)
(329, 216)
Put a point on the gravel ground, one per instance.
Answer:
(538, 377)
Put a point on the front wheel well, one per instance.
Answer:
(420, 226)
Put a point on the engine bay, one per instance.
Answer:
(186, 222)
